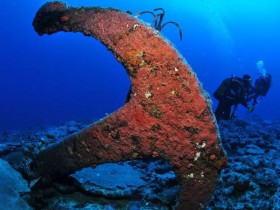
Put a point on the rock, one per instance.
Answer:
(134, 206)
(276, 200)
(111, 180)
(268, 178)
(12, 184)
(254, 150)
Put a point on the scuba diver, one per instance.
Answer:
(231, 92)
(261, 86)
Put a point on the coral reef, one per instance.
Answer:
(168, 114)
(250, 180)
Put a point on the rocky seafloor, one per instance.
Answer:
(251, 179)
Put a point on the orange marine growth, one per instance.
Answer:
(64, 18)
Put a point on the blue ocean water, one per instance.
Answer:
(51, 79)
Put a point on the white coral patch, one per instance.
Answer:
(197, 155)
(148, 94)
(191, 175)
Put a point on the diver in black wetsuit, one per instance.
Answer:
(262, 84)
(261, 88)
(231, 92)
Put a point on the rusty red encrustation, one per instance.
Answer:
(168, 116)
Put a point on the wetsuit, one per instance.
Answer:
(232, 91)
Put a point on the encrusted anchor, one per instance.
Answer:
(169, 115)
